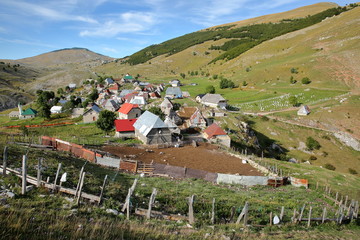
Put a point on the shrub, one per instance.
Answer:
(312, 158)
(352, 171)
(293, 70)
(325, 137)
(305, 80)
(329, 166)
(312, 144)
(210, 89)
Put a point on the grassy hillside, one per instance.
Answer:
(247, 37)
(54, 216)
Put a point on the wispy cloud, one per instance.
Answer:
(111, 50)
(129, 22)
(48, 13)
(27, 42)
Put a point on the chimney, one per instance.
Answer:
(20, 109)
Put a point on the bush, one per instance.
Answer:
(312, 158)
(210, 89)
(329, 166)
(305, 80)
(312, 144)
(352, 171)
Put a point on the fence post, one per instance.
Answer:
(131, 190)
(309, 217)
(80, 188)
(282, 213)
(213, 212)
(191, 209)
(151, 202)
(39, 173)
(243, 213)
(102, 189)
(23, 185)
(78, 184)
(294, 216)
(271, 220)
(57, 175)
(336, 197)
(301, 213)
(323, 215)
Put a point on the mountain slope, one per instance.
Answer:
(63, 57)
(19, 79)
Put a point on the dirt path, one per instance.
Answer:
(205, 157)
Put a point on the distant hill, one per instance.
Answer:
(63, 57)
(19, 79)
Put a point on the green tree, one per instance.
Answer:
(305, 80)
(182, 75)
(106, 121)
(157, 111)
(210, 89)
(60, 91)
(93, 95)
(312, 144)
(44, 111)
(293, 101)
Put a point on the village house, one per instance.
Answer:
(124, 128)
(173, 92)
(92, 115)
(304, 110)
(56, 109)
(192, 117)
(154, 95)
(127, 79)
(216, 134)
(77, 112)
(125, 92)
(214, 101)
(109, 81)
(175, 83)
(129, 111)
(166, 106)
(28, 113)
(150, 129)
(114, 88)
(130, 96)
(14, 114)
(139, 100)
(72, 86)
(111, 105)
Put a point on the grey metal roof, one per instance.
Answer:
(124, 92)
(173, 91)
(148, 121)
(212, 98)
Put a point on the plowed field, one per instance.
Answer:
(204, 157)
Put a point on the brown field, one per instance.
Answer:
(205, 157)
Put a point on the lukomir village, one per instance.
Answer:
(216, 134)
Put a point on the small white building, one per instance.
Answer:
(56, 109)
(304, 110)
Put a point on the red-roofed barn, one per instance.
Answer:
(124, 127)
(216, 134)
(129, 111)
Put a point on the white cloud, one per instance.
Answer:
(27, 42)
(112, 50)
(129, 22)
(49, 13)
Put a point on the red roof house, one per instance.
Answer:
(129, 111)
(124, 127)
(214, 133)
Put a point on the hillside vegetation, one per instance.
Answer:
(249, 36)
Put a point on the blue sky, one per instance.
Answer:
(117, 28)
